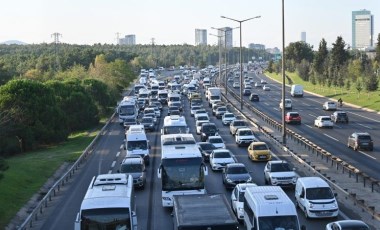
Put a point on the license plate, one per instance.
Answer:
(263, 157)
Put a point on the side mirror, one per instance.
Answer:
(335, 194)
(118, 171)
(303, 227)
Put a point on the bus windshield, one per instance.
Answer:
(133, 145)
(127, 110)
(105, 219)
(175, 129)
(182, 174)
(278, 222)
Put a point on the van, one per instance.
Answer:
(136, 142)
(296, 91)
(315, 197)
(268, 207)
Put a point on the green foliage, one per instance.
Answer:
(270, 66)
(377, 58)
(303, 70)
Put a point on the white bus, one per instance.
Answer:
(182, 170)
(127, 109)
(108, 204)
(174, 124)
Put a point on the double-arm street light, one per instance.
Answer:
(241, 56)
(224, 30)
(220, 52)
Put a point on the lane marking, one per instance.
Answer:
(331, 137)
(110, 171)
(304, 103)
(113, 164)
(117, 154)
(363, 125)
(266, 103)
(121, 146)
(309, 126)
(312, 115)
(367, 155)
(364, 117)
(276, 109)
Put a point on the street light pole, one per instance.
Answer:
(241, 56)
(283, 78)
(220, 53)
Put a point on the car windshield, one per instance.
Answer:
(133, 145)
(209, 128)
(200, 111)
(222, 155)
(207, 146)
(325, 119)
(202, 118)
(294, 114)
(131, 168)
(229, 115)
(246, 133)
(216, 140)
(222, 109)
(147, 120)
(237, 170)
(260, 147)
(364, 137)
(282, 167)
(239, 123)
(321, 193)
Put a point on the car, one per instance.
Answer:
(339, 116)
(288, 104)
(259, 151)
(330, 105)
(236, 85)
(323, 121)
(172, 108)
(237, 199)
(206, 148)
(263, 82)
(227, 118)
(248, 86)
(208, 129)
(177, 104)
(220, 111)
(236, 124)
(235, 173)
(266, 88)
(156, 110)
(293, 117)
(175, 112)
(148, 123)
(244, 136)
(347, 225)
(135, 166)
(202, 117)
(216, 104)
(230, 79)
(193, 109)
(246, 92)
(198, 126)
(254, 97)
(219, 158)
(200, 112)
(258, 85)
(359, 140)
(217, 141)
(156, 103)
(128, 122)
(279, 173)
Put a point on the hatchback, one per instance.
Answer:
(360, 141)
(293, 117)
(234, 174)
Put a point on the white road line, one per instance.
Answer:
(305, 103)
(113, 164)
(309, 126)
(364, 117)
(121, 146)
(364, 126)
(331, 137)
(276, 109)
(266, 103)
(117, 154)
(367, 155)
(110, 171)
(335, 125)
(312, 115)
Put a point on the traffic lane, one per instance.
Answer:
(64, 212)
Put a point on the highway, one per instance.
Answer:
(151, 215)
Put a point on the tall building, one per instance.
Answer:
(128, 40)
(227, 38)
(362, 29)
(200, 37)
(256, 46)
(303, 36)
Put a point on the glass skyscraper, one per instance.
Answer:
(362, 29)
(200, 37)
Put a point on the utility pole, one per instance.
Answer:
(56, 36)
(117, 38)
(153, 56)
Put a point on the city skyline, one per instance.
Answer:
(173, 22)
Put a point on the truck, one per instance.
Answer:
(213, 94)
(207, 211)
(296, 91)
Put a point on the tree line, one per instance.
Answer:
(338, 67)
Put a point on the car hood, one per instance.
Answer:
(240, 177)
(136, 175)
(283, 174)
(223, 160)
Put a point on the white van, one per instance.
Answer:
(268, 207)
(136, 142)
(315, 197)
(296, 91)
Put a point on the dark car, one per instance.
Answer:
(206, 148)
(234, 174)
(246, 92)
(135, 166)
(339, 116)
(293, 117)
(148, 123)
(360, 141)
(254, 97)
(208, 129)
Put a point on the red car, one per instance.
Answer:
(293, 117)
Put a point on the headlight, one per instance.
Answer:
(311, 205)
(249, 179)
(241, 209)
(273, 178)
(229, 180)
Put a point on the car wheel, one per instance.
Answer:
(348, 145)
(355, 148)
(297, 205)
(265, 179)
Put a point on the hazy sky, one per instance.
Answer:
(174, 21)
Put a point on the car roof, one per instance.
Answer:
(235, 165)
(362, 133)
(351, 223)
(215, 137)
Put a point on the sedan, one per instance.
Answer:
(347, 225)
(227, 118)
(234, 174)
(246, 92)
(323, 121)
(193, 109)
(148, 123)
(206, 148)
(330, 105)
(236, 85)
(219, 158)
(217, 141)
(266, 88)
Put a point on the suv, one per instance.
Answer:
(288, 104)
(220, 111)
(279, 173)
(329, 105)
(208, 129)
(244, 136)
(237, 124)
(339, 116)
(360, 141)
(293, 117)
(254, 97)
(135, 166)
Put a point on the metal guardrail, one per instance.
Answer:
(336, 162)
(38, 210)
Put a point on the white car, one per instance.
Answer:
(288, 104)
(198, 126)
(219, 158)
(244, 136)
(258, 85)
(193, 109)
(279, 173)
(217, 141)
(202, 117)
(200, 112)
(266, 88)
(236, 85)
(323, 121)
(237, 199)
(227, 118)
(330, 105)
(347, 224)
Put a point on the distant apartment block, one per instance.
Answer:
(256, 46)
(227, 40)
(128, 40)
(303, 36)
(200, 37)
(362, 29)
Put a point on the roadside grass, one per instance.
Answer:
(365, 100)
(28, 172)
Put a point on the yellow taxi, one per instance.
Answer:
(259, 151)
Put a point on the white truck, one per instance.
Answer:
(296, 91)
(213, 94)
(268, 207)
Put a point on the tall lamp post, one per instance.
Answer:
(241, 56)
(283, 78)
(225, 53)
(220, 53)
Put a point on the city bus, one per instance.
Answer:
(182, 171)
(127, 109)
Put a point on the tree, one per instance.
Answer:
(359, 87)
(377, 58)
(303, 70)
(270, 66)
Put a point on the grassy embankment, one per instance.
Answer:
(367, 100)
(28, 172)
